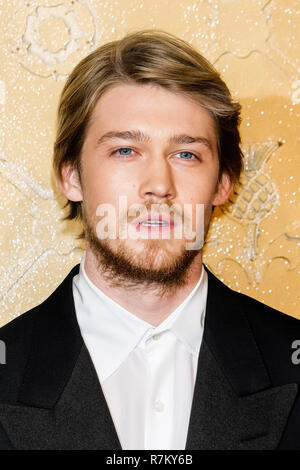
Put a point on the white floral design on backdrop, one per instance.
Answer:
(31, 35)
(71, 33)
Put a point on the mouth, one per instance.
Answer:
(154, 223)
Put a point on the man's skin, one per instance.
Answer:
(152, 171)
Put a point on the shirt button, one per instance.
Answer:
(156, 337)
(159, 406)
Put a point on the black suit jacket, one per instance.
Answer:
(246, 393)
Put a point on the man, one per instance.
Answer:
(142, 347)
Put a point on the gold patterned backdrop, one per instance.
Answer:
(253, 244)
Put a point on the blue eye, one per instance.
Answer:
(187, 155)
(124, 151)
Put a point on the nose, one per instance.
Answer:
(157, 180)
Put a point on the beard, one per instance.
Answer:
(158, 265)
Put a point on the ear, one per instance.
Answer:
(69, 183)
(224, 189)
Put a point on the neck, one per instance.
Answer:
(147, 305)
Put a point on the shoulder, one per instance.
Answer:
(277, 336)
(17, 336)
(23, 324)
(16, 340)
(258, 313)
(267, 318)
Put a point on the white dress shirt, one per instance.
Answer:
(147, 373)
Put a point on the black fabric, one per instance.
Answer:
(227, 332)
(80, 419)
(55, 346)
(246, 393)
(5, 443)
(222, 421)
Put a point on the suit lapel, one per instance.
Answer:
(229, 336)
(234, 404)
(79, 420)
(221, 420)
(60, 404)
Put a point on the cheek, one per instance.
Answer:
(202, 192)
(106, 189)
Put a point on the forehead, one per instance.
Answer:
(151, 108)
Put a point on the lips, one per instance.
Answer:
(154, 220)
(154, 223)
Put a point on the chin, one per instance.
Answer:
(155, 253)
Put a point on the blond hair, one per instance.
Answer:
(145, 57)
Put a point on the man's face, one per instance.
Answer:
(164, 151)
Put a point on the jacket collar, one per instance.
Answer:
(234, 405)
(230, 338)
(55, 347)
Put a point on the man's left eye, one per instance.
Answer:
(187, 155)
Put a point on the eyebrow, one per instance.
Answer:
(139, 136)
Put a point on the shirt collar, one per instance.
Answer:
(187, 320)
(114, 332)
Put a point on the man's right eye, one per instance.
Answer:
(123, 151)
